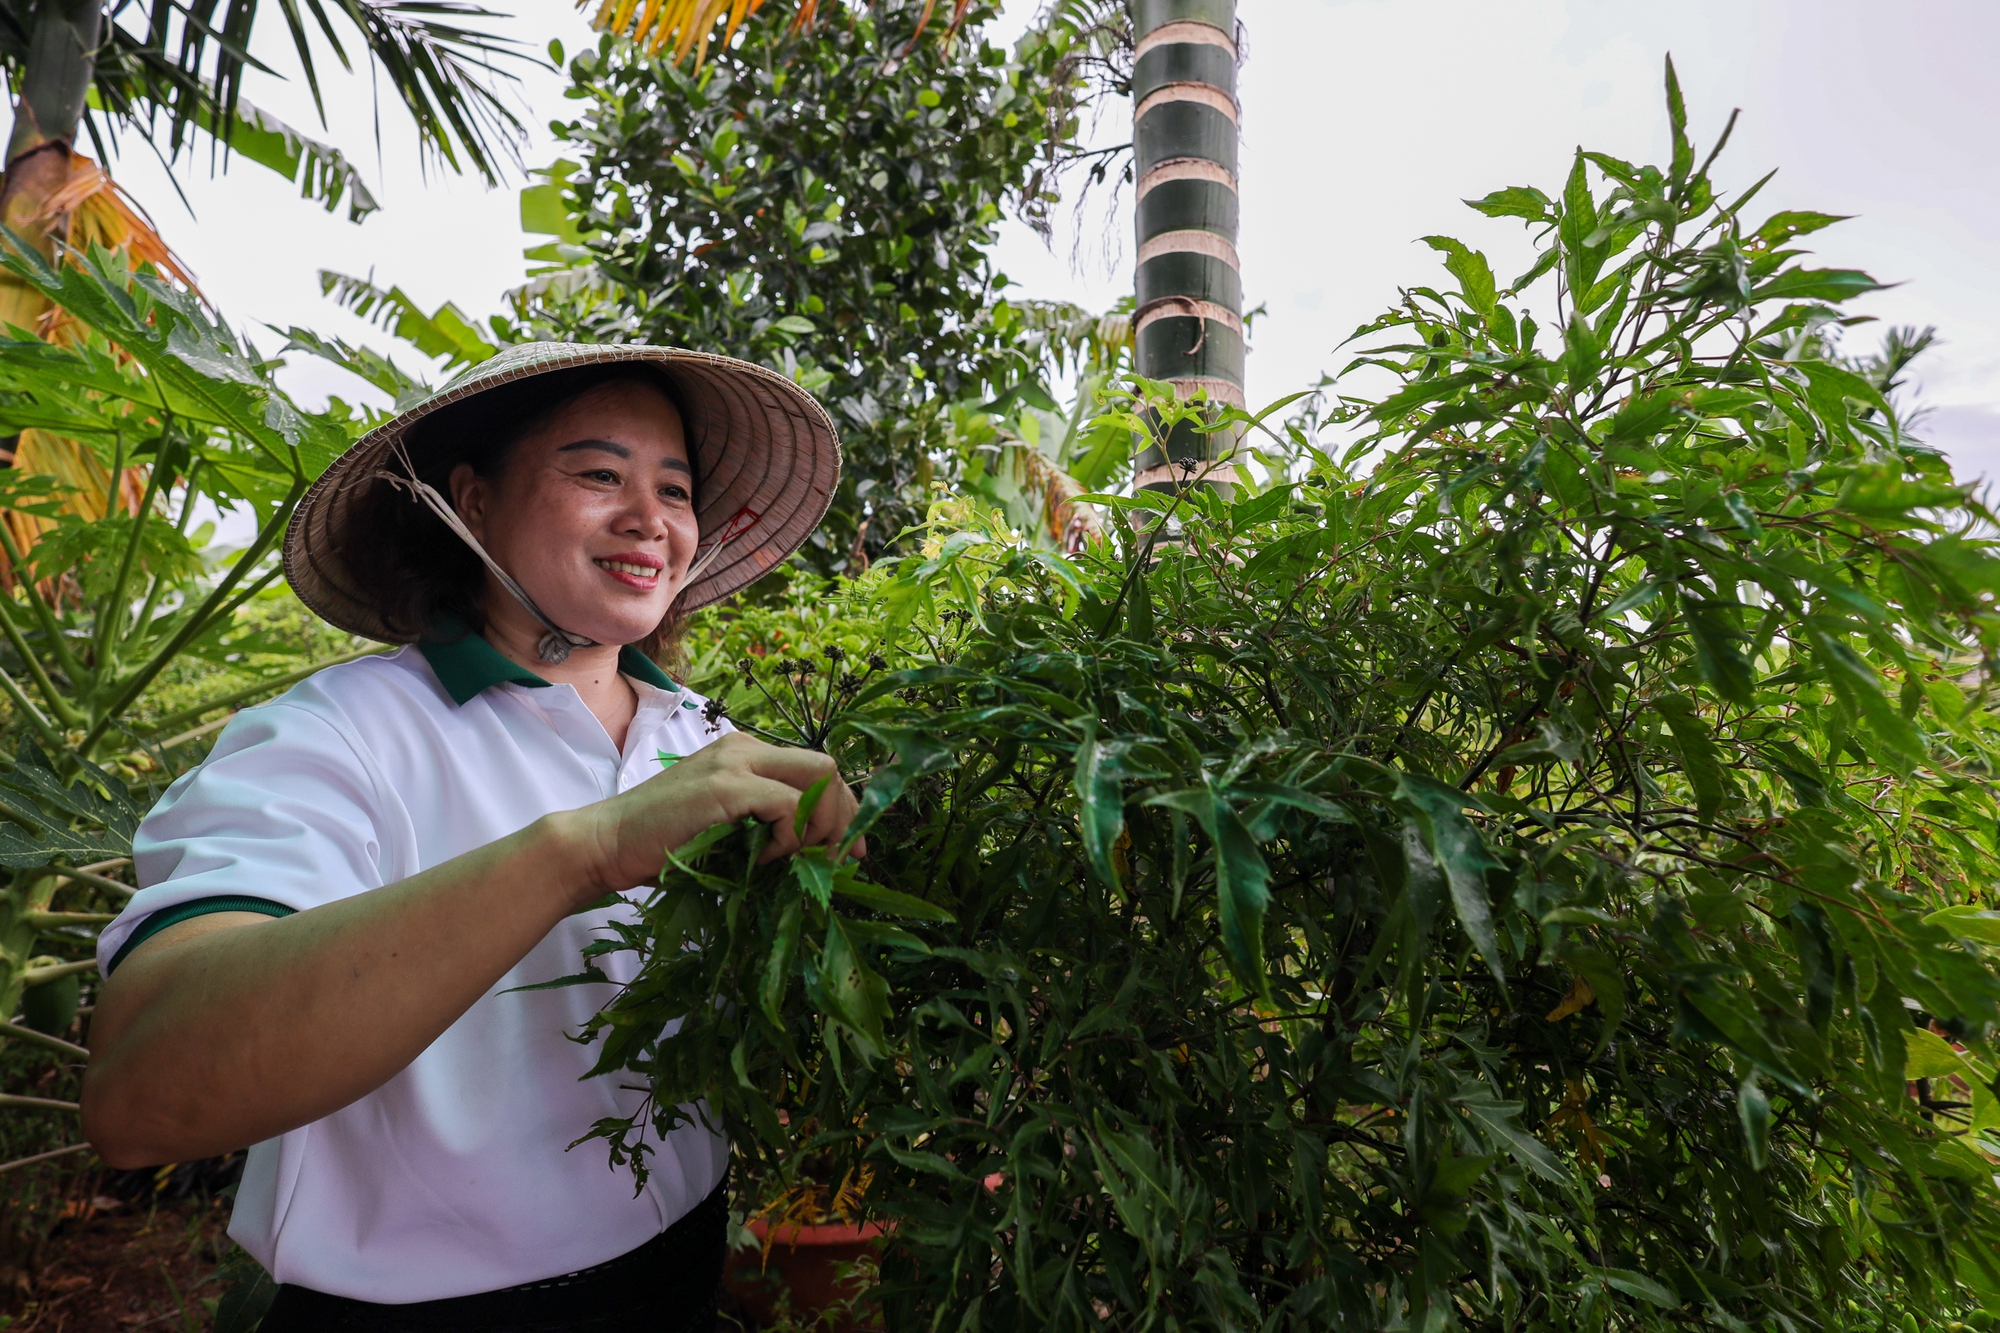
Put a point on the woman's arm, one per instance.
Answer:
(232, 1028)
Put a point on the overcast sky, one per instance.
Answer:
(1365, 123)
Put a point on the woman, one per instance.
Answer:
(339, 907)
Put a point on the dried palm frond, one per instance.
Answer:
(689, 25)
(685, 25)
(102, 214)
(95, 212)
(1071, 526)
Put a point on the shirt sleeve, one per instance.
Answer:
(284, 809)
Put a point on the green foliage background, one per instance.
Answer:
(134, 640)
(1529, 869)
(821, 202)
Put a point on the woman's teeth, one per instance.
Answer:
(621, 567)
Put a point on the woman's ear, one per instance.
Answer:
(469, 494)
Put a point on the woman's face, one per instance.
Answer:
(592, 513)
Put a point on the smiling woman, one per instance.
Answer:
(341, 907)
(526, 463)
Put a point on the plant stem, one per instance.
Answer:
(50, 920)
(35, 976)
(236, 697)
(43, 727)
(42, 1039)
(43, 1156)
(89, 875)
(58, 704)
(58, 646)
(196, 623)
(111, 609)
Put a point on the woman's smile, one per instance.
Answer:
(634, 569)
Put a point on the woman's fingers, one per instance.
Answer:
(777, 804)
(831, 813)
(800, 768)
(735, 777)
(777, 779)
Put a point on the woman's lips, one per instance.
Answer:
(643, 577)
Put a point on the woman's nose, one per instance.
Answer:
(646, 516)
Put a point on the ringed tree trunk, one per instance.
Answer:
(1187, 325)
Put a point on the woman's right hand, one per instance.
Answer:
(233, 1027)
(624, 840)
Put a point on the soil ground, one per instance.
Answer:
(113, 1266)
(90, 1250)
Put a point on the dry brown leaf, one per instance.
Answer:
(1580, 997)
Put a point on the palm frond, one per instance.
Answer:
(186, 65)
(363, 362)
(444, 332)
(321, 171)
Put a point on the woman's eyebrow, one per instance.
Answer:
(617, 450)
(602, 446)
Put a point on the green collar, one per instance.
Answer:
(467, 664)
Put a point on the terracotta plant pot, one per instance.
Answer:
(803, 1261)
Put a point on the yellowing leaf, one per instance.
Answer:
(1580, 997)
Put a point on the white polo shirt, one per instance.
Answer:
(453, 1177)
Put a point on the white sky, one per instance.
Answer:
(1365, 122)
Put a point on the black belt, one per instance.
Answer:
(667, 1285)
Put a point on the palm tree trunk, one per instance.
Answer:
(1187, 327)
(62, 52)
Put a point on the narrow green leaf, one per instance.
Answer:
(1242, 881)
(808, 802)
(778, 963)
(891, 902)
(917, 753)
(1716, 634)
(1816, 284)
(1648, 1289)
(1462, 855)
(1856, 683)
(814, 874)
(1582, 356)
(856, 993)
(1753, 1110)
(1516, 201)
(1927, 1055)
(1968, 923)
(1781, 228)
(1100, 800)
(1701, 759)
(1497, 1120)
(1677, 121)
(1474, 274)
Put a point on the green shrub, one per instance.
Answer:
(1532, 871)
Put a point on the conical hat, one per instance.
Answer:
(764, 450)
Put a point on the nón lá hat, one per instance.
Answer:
(763, 449)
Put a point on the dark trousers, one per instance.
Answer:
(667, 1285)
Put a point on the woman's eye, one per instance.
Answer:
(603, 475)
(674, 492)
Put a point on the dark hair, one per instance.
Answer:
(418, 570)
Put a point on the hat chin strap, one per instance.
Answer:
(556, 642)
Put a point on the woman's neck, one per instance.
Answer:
(593, 671)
